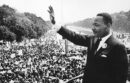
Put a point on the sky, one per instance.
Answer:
(68, 10)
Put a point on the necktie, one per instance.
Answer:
(97, 44)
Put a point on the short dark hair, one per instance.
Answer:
(106, 17)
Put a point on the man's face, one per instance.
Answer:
(100, 29)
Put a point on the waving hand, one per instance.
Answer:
(52, 16)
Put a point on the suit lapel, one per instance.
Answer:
(108, 48)
(94, 50)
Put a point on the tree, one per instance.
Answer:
(20, 25)
(39, 25)
(7, 35)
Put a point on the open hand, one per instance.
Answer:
(51, 12)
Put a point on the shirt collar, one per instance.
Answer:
(103, 40)
(106, 37)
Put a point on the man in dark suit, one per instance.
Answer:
(106, 58)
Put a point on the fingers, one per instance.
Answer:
(51, 9)
(51, 12)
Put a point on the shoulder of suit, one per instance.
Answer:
(91, 37)
(116, 42)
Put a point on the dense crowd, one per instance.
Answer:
(39, 61)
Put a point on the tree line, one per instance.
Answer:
(17, 26)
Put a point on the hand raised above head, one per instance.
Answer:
(51, 11)
(52, 16)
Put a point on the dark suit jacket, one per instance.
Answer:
(108, 65)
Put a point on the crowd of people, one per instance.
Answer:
(39, 62)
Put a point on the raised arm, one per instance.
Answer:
(77, 39)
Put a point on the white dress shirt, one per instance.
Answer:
(103, 40)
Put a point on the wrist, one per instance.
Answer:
(56, 27)
(53, 20)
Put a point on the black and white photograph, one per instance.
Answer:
(64, 41)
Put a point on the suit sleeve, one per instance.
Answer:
(77, 39)
(120, 64)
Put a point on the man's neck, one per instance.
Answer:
(106, 34)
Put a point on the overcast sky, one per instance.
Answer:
(68, 10)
